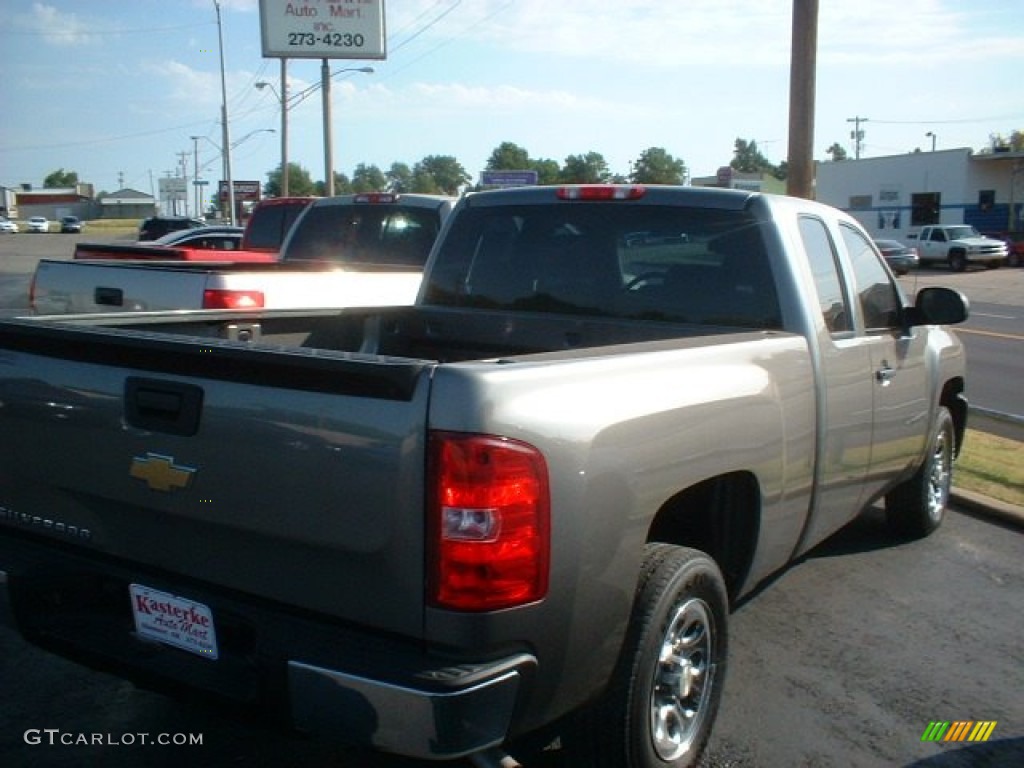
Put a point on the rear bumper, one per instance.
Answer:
(312, 674)
(415, 721)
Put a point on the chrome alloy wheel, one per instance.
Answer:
(683, 680)
(940, 476)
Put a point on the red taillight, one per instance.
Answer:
(376, 197)
(489, 524)
(218, 299)
(602, 192)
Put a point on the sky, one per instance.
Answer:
(114, 90)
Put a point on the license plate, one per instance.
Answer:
(174, 620)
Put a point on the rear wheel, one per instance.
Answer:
(916, 507)
(662, 700)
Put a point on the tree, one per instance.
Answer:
(547, 170)
(837, 152)
(423, 182)
(60, 179)
(368, 178)
(399, 177)
(447, 173)
(590, 168)
(342, 185)
(656, 166)
(747, 158)
(299, 182)
(999, 143)
(509, 157)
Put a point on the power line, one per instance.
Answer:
(949, 122)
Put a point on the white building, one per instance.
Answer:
(894, 195)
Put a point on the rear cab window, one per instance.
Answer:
(667, 263)
(365, 234)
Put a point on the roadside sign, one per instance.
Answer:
(508, 178)
(323, 29)
(244, 190)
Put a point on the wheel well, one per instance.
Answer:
(953, 399)
(720, 516)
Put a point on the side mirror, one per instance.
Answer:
(938, 306)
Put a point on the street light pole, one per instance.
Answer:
(932, 135)
(224, 122)
(284, 127)
(325, 85)
(282, 97)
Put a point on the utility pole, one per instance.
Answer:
(857, 134)
(195, 181)
(803, 62)
(183, 163)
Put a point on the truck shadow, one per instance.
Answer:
(991, 754)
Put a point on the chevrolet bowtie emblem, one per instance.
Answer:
(160, 473)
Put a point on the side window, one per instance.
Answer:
(822, 258)
(877, 294)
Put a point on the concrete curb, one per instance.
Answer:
(984, 505)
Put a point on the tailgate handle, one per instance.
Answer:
(155, 405)
(109, 297)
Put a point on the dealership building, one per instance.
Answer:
(896, 195)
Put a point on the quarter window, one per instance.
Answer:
(829, 285)
(877, 294)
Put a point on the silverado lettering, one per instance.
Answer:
(524, 505)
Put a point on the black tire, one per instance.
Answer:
(664, 694)
(917, 507)
(957, 261)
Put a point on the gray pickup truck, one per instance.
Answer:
(520, 508)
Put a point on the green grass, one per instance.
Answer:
(993, 466)
(112, 227)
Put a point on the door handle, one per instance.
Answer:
(170, 407)
(109, 297)
(885, 374)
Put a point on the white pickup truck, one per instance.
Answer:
(347, 251)
(958, 245)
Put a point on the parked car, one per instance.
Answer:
(1014, 246)
(216, 238)
(38, 224)
(158, 226)
(70, 224)
(900, 258)
(6, 225)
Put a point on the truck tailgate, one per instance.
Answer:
(295, 476)
(68, 287)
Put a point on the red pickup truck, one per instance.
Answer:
(260, 242)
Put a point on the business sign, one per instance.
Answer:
(508, 178)
(173, 188)
(323, 29)
(244, 190)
